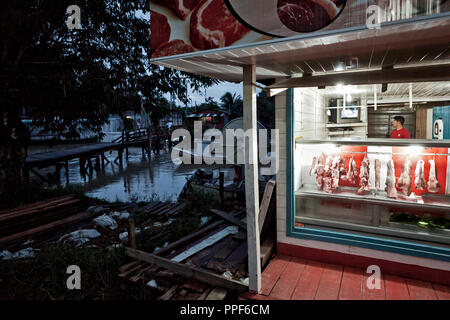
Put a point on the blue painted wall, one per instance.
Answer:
(444, 113)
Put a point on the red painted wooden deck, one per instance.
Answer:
(291, 278)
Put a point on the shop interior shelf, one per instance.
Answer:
(434, 203)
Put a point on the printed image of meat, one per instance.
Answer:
(181, 8)
(159, 30)
(306, 15)
(404, 181)
(213, 26)
(173, 47)
(419, 180)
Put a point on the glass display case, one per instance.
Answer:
(395, 188)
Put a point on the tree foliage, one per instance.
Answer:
(72, 78)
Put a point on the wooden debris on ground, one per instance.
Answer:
(41, 221)
(195, 267)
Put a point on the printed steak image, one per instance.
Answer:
(182, 8)
(173, 47)
(213, 26)
(159, 30)
(306, 15)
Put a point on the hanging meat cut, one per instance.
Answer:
(377, 173)
(390, 180)
(313, 166)
(364, 174)
(317, 168)
(342, 168)
(181, 8)
(160, 30)
(352, 174)
(404, 181)
(433, 183)
(213, 26)
(419, 180)
(328, 179)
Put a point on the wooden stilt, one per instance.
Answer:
(83, 166)
(66, 167)
(131, 233)
(251, 180)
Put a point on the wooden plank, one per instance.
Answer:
(127, 266)
(188, 238)
(420, 290)
(186, 270)
(441, 291)
(308, 282)
(32, 207)
(374, 294)
(194, 285)
(267, 249)
(207, 242)
(251, 179)
(230, 218)
(287, 283)
(169, 294)
(272, 273)
(217, 294)
(330, 282)
(265, 203)
(351, 285)
(45, 228)
(204, 294)
(130, 271)
(396, 288)
(218, 260)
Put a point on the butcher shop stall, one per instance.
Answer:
(345, 193)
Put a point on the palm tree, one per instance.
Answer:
(231, 103)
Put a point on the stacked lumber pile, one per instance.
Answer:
(40, 221)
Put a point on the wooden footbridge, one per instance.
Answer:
(92, 156)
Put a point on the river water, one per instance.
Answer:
(138, 180)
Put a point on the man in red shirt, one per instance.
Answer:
(399, 131)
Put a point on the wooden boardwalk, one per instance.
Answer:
(44, 158)
(291, 278)
(89, 153)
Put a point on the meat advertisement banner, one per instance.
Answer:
(185, 26)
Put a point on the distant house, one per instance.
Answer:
(210, 118)
(173, 119)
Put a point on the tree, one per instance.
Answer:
(232, 103)
(266, 109)
(74, 77)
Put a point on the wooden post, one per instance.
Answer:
(131, 233)
(251, 180)
(66, 167)
(83, 166)
(103, 160)
(221, 183)
(120, 156)
(149, 133)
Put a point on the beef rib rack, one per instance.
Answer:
(213, 26)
